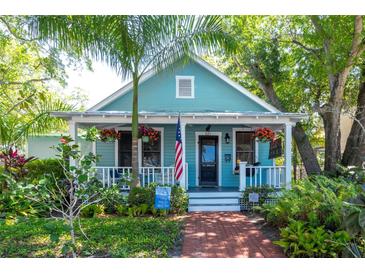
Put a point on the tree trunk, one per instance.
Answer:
(72, 233)
(331, 122)
(305, 148)
(355, 144)
(306, 151)
(135, 165)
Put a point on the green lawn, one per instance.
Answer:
(108, 237)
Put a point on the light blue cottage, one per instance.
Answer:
(218, 119)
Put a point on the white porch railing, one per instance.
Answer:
(147, 175)
(259, 176)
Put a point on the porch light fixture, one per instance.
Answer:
(207, 129)
(227, 138)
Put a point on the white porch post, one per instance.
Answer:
(243, 176)
(73, 134)
(183, 182)
(288, 154)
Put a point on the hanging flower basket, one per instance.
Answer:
(264, 134)
(148, 134)
(145, 139)
(109, 135)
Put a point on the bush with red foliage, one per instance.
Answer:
(14, 162)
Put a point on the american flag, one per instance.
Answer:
(178, 153)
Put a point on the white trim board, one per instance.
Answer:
(197, 170)
(162, 133)
(202, 63)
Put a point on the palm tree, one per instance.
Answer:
(30, 116)
(133, 44)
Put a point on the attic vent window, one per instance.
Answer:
(184, 87)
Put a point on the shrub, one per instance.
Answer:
(264, 192)
(179, 200)
(19, 198)
(121, 210)
(139, 196)
(40, 168)
(301, 240)
(112, 197)
(92, 210)
(317, 200)
(354, 215)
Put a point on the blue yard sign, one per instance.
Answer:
(162, 197)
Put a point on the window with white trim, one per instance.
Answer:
(151, 153)
(245, 147)
(185, 87)
(125, 149)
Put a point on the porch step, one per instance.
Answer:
(211, 194)
(193, 208)
(214, 201)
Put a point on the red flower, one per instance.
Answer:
(63, 141)
(264, 134)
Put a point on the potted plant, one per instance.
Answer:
(109, 135)
(264, 134)
(148, 134)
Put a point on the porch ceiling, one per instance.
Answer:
(121, 118)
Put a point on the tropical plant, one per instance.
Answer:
(18, 198)
(304, 241)
(92, 134)
(354, 215)
(92, 210)
(134, 44)
(14, 162)
(317, 200)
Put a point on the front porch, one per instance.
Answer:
(217, 149)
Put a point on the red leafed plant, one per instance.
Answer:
(109, 135)
(14, 162)
(153, 134)
(264, 134)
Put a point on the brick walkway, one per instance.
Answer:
(225, 235)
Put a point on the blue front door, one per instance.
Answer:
(208, 160)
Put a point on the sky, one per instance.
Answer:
(97, 84)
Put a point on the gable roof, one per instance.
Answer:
(150, 73)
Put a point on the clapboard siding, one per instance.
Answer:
(106, 152)
(211, 94)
